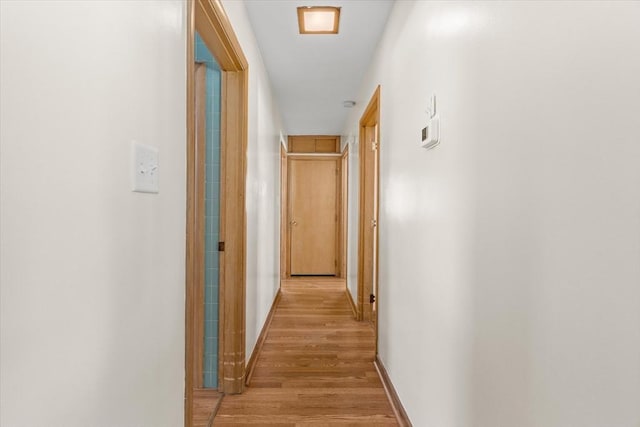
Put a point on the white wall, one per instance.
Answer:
(510, 254)
(92, 274)
(263, 182)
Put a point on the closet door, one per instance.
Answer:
(313, 215)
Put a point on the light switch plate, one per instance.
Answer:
(145, 168)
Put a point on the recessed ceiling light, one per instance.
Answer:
(318, 19)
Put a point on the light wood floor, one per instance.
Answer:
(205, 403)
(315, 368)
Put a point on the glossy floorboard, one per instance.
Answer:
(315, 368)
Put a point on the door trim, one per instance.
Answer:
(285, 256)
(344, 212)
(370, 117)
(284, 208)
(199, 186)
(210, 20)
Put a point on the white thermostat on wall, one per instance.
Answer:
(431, 133)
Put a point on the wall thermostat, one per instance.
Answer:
(431, 133)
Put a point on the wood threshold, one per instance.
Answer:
(394, 399)
(312, 278)
(251, 364)
(206, 402)
(215, 410)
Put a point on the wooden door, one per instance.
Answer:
(313, 215)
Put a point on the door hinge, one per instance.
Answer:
(374, 145)
(220, 246)
(372, 298)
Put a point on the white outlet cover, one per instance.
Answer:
(145, 168)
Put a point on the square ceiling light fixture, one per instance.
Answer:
(318, 19)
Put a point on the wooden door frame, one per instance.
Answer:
(285, 265)
(284, 206)
(370, 117)
(210, 20)
(344, 211)
(199, 188)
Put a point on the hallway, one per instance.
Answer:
(315, 367)
(508, 270)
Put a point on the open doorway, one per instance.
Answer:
(213, 27)
(368, 215)
(208, 98)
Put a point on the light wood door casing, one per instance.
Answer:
(313, 215)
(212, 24)
(368, 218)
(200, 222)
(344, 212)
(374, 224)
(284, 209)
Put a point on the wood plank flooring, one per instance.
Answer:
(315, 368)
(205, 403)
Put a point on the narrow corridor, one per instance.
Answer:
(315, 367)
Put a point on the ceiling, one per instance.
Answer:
(311, 75)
